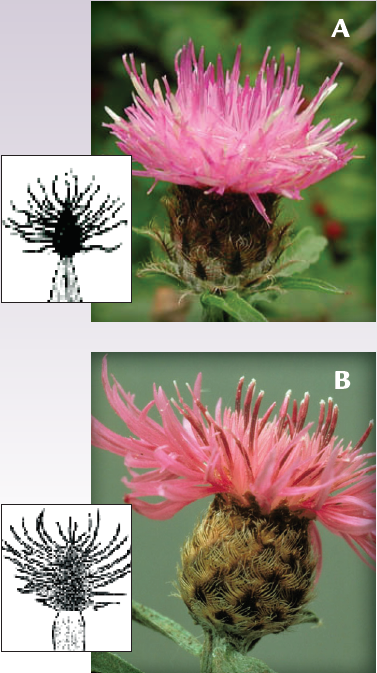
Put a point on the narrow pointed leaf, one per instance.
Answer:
(234, 305)
(299, 283)
(148, 233)
(167, 627)
(107, 662)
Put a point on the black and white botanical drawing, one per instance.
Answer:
(61, 217)
(67, 570)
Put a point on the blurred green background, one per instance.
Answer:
(154, 31)
(345, 596)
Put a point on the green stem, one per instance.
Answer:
(167, 627)
(225, 659)
(206, 659)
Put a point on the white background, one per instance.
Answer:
(102, 276)
(27, 624)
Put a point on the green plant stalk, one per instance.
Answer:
(167, 627)
(225, 659)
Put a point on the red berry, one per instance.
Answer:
(334, 230)
(319, 209)
(97, 92)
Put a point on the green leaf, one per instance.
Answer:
(303, 250)
(106, 662)
(233, 305)
(300, 283)
(267, 293)
(167, 627)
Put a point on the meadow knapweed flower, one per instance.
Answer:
(230, 150)
(250, 565)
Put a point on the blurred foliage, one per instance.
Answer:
(342, 207)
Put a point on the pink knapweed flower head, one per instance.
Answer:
(219, 135)
(280, 460)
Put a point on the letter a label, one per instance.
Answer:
(340, 28)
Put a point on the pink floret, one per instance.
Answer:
(218, 135)
(276, 459)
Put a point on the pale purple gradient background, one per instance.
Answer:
(45, 391)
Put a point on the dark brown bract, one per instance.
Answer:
(219, 237)
(217, 243)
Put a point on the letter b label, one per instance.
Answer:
(342, 380)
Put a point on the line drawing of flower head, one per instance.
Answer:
(64, 224)
(69, 573)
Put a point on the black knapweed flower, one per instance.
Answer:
(65, 224)
(68, 574)
(230, 151)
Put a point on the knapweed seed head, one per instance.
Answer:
(220, 136)
(68, 573)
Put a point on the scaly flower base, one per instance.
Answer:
(221, 248)
(65, 285)
(68, 631)
(246, 574)
(218, 243)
